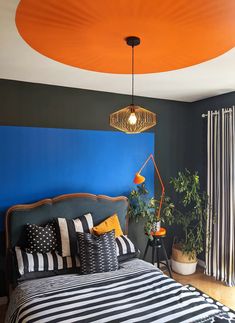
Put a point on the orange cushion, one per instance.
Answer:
(107, 225)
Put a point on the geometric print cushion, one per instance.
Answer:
(67, 233)
(41, 239)
(97, 253)
(37, 265)
(126, 248)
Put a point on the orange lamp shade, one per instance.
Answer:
(139, 179)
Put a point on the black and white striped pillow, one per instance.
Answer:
(67, 230)
(37, 265)
(126, 248)
(98, 253)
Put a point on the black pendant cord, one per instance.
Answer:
(133, 79)
(132, 41)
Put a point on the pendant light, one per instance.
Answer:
(133, 118)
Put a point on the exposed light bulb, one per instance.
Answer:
(132, 118)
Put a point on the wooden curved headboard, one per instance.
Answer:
(69, 206)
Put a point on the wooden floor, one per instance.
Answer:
(208, 285)
(3, 309)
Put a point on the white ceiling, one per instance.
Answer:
(18, 61)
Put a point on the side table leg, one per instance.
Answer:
(153, 254)
(158, 259)
(146, 250)
(167, 262)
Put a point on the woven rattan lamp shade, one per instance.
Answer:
(133, 118)
(145, 119)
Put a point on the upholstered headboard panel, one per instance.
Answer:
(69, 206)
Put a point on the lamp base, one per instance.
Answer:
(132, 41)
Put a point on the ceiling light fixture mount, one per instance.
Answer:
(133, 118)
(132, 41)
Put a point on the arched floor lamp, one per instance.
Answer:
(139, 179)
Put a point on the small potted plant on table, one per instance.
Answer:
(143, 206)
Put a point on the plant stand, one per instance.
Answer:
(157, 244)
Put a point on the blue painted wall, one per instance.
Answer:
(42, 162)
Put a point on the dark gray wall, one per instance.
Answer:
(38, 105)
(180, 134)
(28, 104)
(199, 127)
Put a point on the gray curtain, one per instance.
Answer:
(220, 253)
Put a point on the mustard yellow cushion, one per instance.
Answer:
(107, 225)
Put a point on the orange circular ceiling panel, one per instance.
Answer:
(90, 34)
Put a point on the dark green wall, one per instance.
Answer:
(28, 104)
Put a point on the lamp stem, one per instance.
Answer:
(160, 179)
(144, 164)
(133, 78)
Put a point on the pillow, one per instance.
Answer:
(97, 253)
(111, 223)
(40, 239)
(67, 233)
(37, 265)
(126, 248)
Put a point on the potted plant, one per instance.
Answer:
(189, 211)
(143, 206)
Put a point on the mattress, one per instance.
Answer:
(137, 292)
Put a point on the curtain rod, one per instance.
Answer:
(217, 112)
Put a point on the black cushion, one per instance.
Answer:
(97, 253)
(40, 239)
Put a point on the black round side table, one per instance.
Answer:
(157, 244)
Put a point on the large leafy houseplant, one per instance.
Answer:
(189, 210)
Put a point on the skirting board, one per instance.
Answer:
(3, 300)
(201, 263)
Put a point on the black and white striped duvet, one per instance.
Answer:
(137, 292)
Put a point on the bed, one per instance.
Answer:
(136, 292)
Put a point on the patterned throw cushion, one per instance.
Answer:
(97, 253)
(36, 265)
(126, 248)
(111, 223)
(67, 233)
(40, 239)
